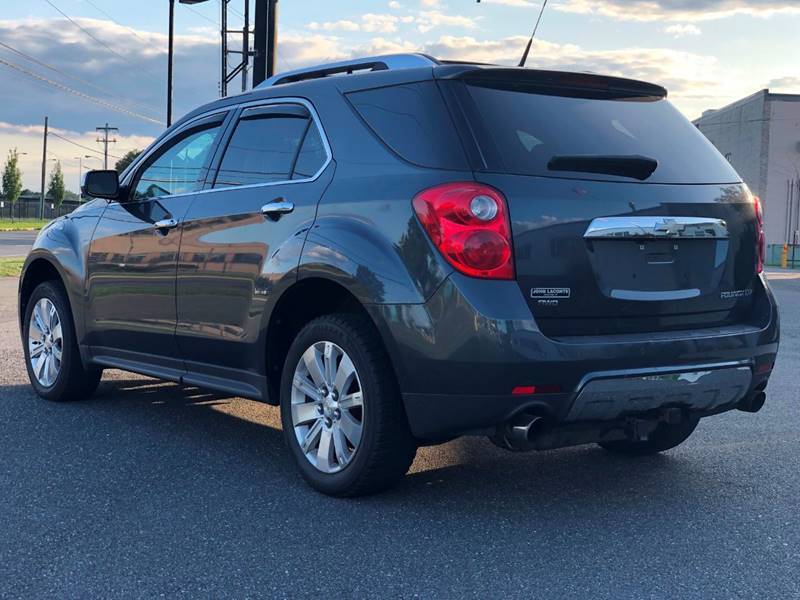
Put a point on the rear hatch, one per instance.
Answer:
(624, 217)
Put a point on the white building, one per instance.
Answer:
(760, 136)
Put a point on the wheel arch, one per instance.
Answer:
(38, 268)
(305, 300)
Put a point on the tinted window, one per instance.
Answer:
(180, 168)
(413, 121)
(262, 149)
(312, 155)
(525, 130)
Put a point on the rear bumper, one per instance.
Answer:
(459, 355)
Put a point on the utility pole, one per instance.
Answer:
(266, 40)
(169, 60)
(105, 141)
(246, 44)
(44, 170)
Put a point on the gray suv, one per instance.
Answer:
(398, 251)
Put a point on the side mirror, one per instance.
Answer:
(101, 184)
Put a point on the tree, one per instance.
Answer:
(56, 189)
(12, 180)
(127, 159)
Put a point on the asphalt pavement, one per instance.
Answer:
(150, 490)
(16, 243)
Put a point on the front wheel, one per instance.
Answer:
(663, 437)
(51, 350)
(341, 411)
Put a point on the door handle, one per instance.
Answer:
(165, 224)
(276, 208)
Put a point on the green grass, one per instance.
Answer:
(11, 267)
(24, 225)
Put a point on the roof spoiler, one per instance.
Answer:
(561, 83)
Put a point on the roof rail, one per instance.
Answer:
(388, 62)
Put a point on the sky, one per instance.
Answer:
(85, 63)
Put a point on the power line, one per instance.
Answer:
(95, 38)
(95, 150)
(69, 76)
(113, 20)
(234, 11)
(202, 16)
(80, 94)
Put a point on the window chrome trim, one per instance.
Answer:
(244, 106)
(163, 138)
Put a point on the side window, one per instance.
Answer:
(262, 149)
(312, 155)
(414, 122)
(180, 168)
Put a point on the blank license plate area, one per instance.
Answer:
(658, 270)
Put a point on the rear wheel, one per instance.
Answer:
(664, 437)
(342, 415)
(51, 350)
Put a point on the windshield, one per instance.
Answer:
(522, 132)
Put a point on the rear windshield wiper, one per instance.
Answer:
(634, 166)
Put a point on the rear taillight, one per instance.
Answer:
(760, 244)
(468, 222)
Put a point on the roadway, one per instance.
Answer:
(151, 490)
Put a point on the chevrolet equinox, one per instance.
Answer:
(398, 251)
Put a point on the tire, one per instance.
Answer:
(68, 379)
(664, 437)
(354, 465)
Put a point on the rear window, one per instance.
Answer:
(522, 132)
(413, 121)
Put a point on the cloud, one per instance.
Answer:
(695, 81)
(379, 23)
(430, 2)
(375, 23)
(681, 30)
(431, 19)
(342, 25)
(395, 5)
(678, 10)
(785, 84)
(516, 3)
(28, 139)
(84, 65)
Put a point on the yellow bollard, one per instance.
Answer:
(785, 256)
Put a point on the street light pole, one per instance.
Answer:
(44, 169)
(80, 171)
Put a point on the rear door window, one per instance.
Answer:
(521, 132)
(312, 155)
(264, 146)
(413, 121)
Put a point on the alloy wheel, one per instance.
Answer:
(45, 342)
(327, 407)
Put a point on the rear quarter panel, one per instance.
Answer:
(366, 235)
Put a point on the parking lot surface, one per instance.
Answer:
(150, 490)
